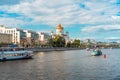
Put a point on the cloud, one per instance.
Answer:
(101, 27)
(92, 17)
(112, 38)
(65, 11)
(116, 17)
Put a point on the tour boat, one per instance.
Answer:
(14, 53)
(96, 52)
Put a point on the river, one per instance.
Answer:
(64, 65)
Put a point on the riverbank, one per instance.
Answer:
(51, 49)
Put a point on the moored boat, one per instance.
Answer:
(96, 52)
(14, 53)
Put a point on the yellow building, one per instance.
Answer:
(60, 31)
(5, 38)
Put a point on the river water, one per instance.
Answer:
(64, 65)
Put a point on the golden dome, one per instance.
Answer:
(59, 26)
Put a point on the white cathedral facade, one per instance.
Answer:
(60, 31)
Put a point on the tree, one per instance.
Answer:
(76, 43)
(57, 41)
(68, 44)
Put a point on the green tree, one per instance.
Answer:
(57, 41)
(76, 43)
(68, 44)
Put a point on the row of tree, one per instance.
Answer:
(59, 41)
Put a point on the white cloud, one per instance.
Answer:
(113, 39)
(100, 27)
(116, 17)
(52, 12)
(102, 14)
(109, 38)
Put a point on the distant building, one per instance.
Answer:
(5, 38)
(2, 28)
(43, 37)
(31, 36)
(60, 31)
(90, 41)
(17, 34)
(87, 41)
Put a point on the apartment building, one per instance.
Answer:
(5, 38)
(17, 34)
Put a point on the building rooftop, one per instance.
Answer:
(59, 26)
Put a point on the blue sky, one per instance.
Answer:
(95, 19)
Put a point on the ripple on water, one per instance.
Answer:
(64, 65)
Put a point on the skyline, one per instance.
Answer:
(81, 18)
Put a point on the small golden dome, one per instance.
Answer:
(59, 27)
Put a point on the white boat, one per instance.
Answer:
(14, 53)
(96, 52)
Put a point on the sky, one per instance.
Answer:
(94, 19)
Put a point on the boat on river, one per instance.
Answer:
(88, 49)
(14, 54)
(96, 52)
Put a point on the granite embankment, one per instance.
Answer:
(51, 49)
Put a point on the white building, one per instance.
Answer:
(60, 31)
(90, 41)
(2, 29)
(17, 34)
(5, 38)
(31, 36)
(43, 37)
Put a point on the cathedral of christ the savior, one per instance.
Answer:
(60, 32)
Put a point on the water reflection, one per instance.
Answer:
(64, 65)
